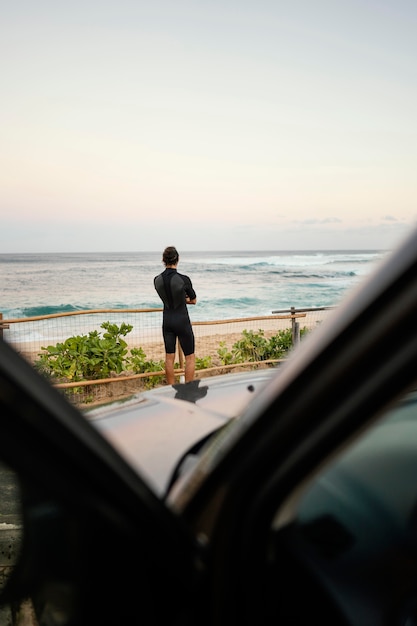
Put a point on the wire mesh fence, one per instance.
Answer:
(31, 336)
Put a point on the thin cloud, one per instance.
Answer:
(319, 222)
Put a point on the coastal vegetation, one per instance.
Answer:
(102, 355)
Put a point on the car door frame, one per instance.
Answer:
(97, 543)
(252, 478)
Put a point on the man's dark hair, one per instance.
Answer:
(170, 256)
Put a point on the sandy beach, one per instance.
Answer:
(209, 336)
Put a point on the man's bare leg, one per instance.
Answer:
(169, 368)
(189, 367)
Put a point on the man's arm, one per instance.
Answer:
(190, 294)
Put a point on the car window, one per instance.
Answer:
(375, 475)
(353, 538)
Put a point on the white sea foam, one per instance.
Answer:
(228, 285)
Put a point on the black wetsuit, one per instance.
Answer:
(172, 288)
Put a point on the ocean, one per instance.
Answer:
(228, 284)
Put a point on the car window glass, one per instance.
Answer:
(374, 479)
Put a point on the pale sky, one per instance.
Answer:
(210, 125)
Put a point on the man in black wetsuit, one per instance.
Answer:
(176, 291)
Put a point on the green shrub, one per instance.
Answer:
(86, 357)
(252, 347)
(281, 343)
(225, 355)
(138, 363)
(203, 363)
(255, 347)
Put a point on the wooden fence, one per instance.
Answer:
(30, 335)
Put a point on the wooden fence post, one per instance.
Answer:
(295, 327)
(296, 341)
